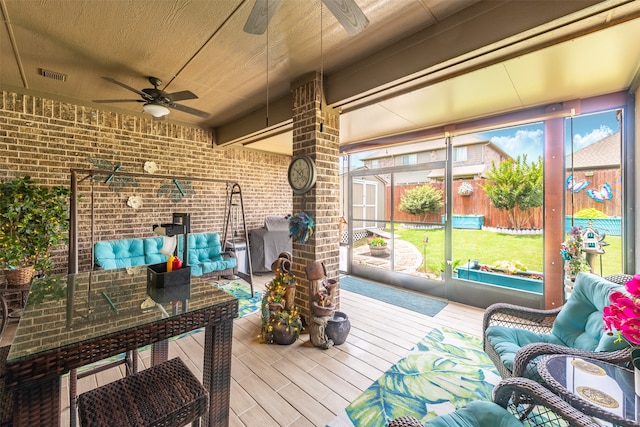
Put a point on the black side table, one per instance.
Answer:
(596, 388)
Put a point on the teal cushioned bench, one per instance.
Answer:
(205, 254)
(110, 254)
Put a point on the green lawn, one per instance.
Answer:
(489, 247)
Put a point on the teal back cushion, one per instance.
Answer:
(477, 414)
(110, 254)
(205, 253)
(152, 248)
(579, 324)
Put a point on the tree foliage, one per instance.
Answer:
(421, 200)
(33, 219)
(515, 186)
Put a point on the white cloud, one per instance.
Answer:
(524, 141)
(595, 135)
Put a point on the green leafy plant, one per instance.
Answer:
(377, 241)
(288, 318)
(421, 200)
(511, 267)
(288, 315)
(49, 288)
(590, 213)
(454, 265)
(34, 219)
(515, 184)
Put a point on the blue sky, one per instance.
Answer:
(529, 139)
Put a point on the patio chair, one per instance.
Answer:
(542, 408)
(514, 336)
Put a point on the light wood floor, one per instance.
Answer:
(299, 384)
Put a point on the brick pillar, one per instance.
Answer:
(316, 130)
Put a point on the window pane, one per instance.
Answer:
(593, 186)
(497, 221)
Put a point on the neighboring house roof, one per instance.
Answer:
(603, 154)
(461, 171)
(422, 146)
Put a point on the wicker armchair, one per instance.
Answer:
(514, 337)
(518, 401)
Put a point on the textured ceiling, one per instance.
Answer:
(450, 59)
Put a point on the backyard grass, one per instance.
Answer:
(488, 247)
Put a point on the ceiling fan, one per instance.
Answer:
(346, 12)
(156, 101)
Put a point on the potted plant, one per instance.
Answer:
(34, 219)
(465, 189)
(285, 326)
(378, 246)
(281, 321)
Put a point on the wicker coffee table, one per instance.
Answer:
(74, 320)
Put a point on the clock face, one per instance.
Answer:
(302, 174)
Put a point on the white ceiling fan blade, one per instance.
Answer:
(348, 14)
(260, 16)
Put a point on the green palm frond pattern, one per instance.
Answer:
(446, 370)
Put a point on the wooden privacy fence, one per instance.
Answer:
(479, 204)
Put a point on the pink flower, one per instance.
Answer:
(611, 318)
(631, 330)
(633, 286)
(623, 314)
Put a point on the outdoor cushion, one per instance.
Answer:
(122, 253)
(578, 325)
(477, 414)
(508, 341)
(152, 248)
(205, 254)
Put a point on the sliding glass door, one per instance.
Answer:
(463, 216)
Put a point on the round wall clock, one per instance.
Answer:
(302, 174)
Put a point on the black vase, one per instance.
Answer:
(338, 327)
(281, 334)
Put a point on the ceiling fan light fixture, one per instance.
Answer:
(156, 110)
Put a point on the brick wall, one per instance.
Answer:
(316, 134)
(46, 139)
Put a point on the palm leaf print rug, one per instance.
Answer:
(446, 370)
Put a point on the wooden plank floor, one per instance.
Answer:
(299, 384)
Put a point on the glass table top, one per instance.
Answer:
(605, 386)
(68, 309)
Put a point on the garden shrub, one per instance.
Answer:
(590, 213)
(421, 200)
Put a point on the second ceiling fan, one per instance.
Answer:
(347, 12)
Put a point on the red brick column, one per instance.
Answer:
(316, 131)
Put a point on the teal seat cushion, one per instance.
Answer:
(508, 341)
(578, 325)
(477, 414)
